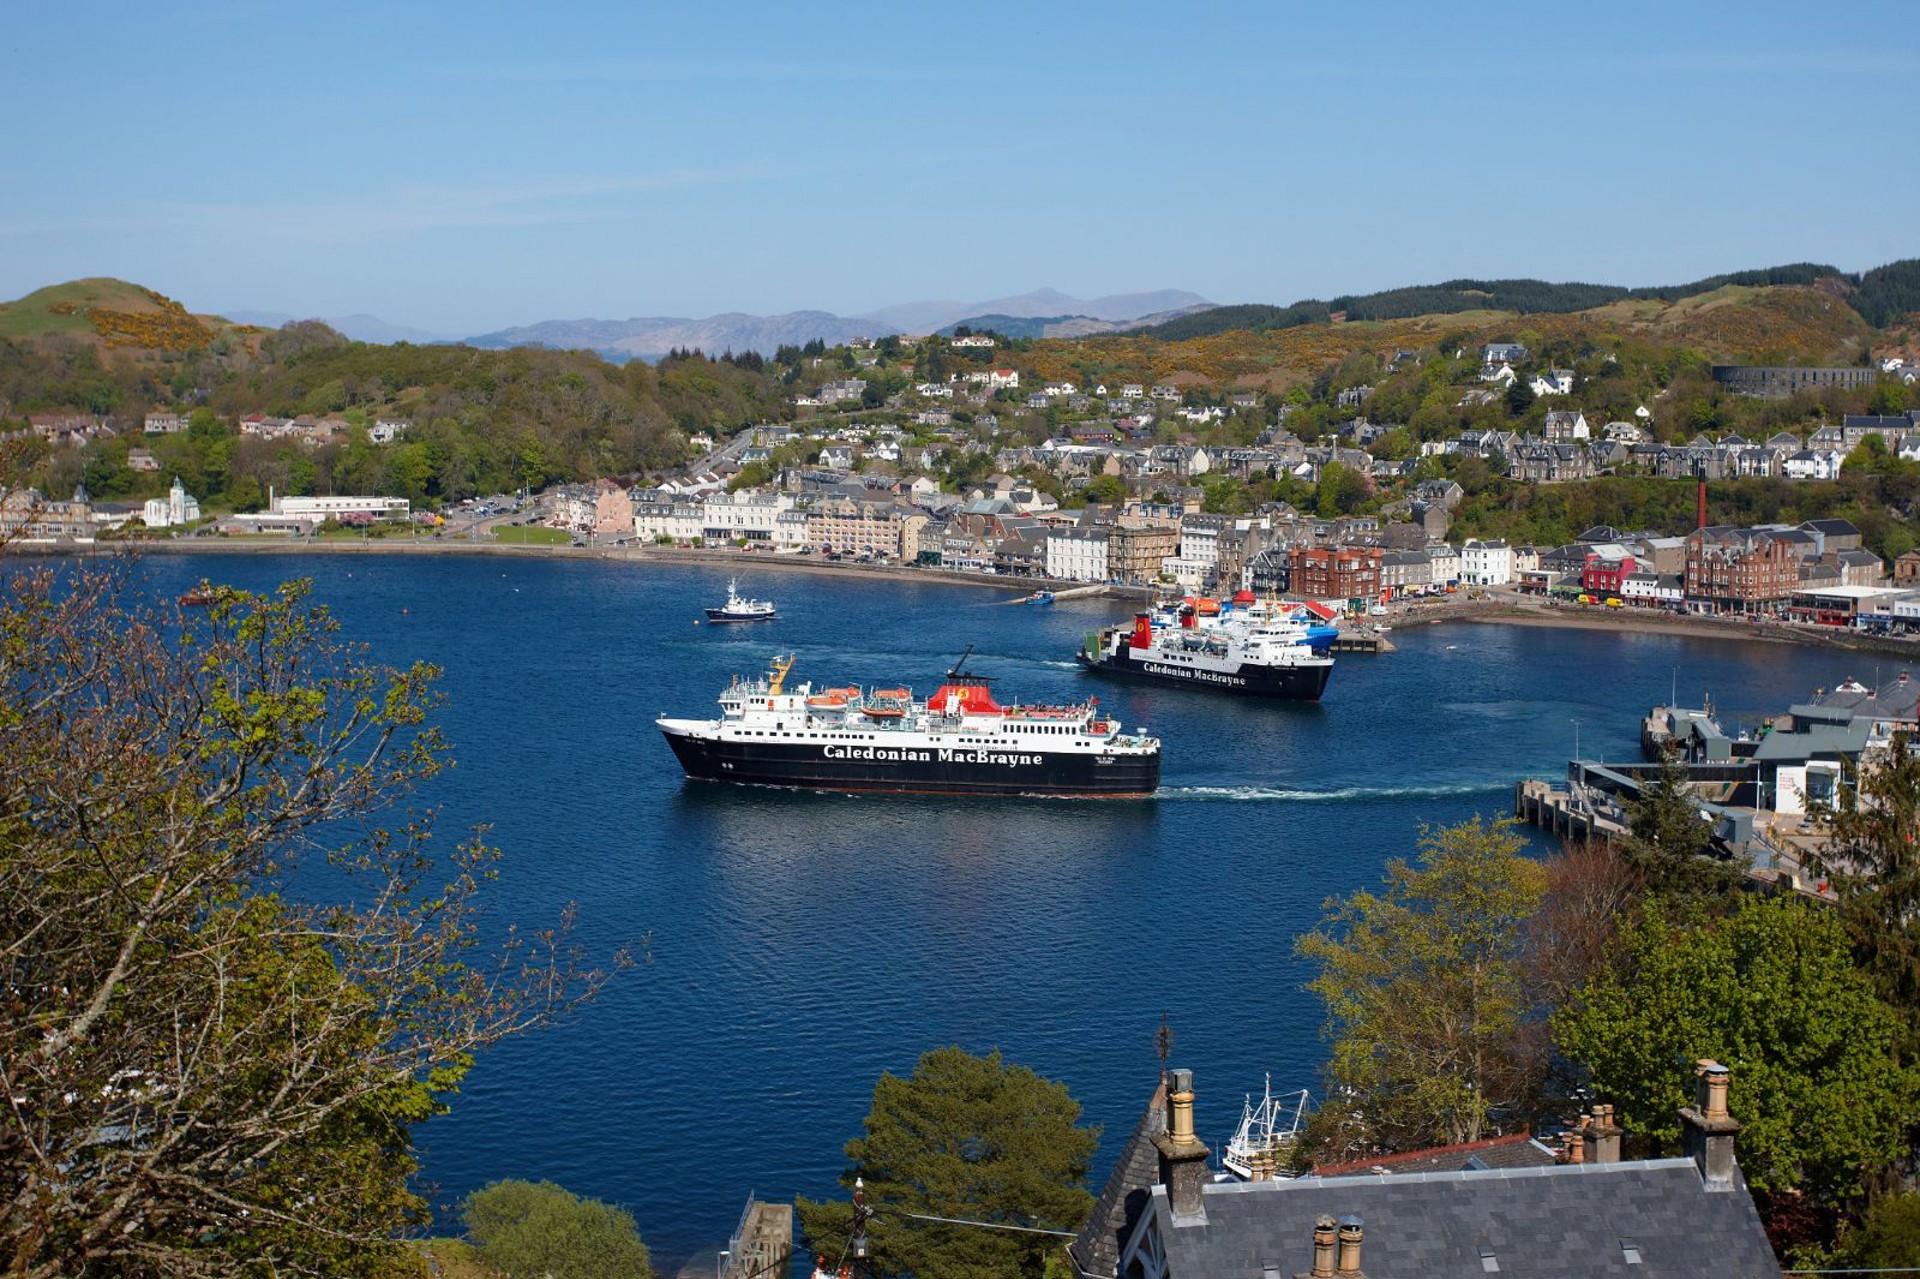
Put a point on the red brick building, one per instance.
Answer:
(1737, 570)
(1326, 573)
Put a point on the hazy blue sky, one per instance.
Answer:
(464, 167)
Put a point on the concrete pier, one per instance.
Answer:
(1559, 811)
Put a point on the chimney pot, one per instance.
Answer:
(1183, 1157)
(1323, 1242)
(1180, 1093)
(1601, 1136)
(1351, 1235)
(1713, 1089)
(1709, 1129)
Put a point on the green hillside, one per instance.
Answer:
(63, 308)
(114, 313)
(1880, 296)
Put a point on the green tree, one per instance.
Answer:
(205, 1077)
(1890, 397)
(1873, 865)
(1888, 1236)
(536, 1230)
(1341, 491)
(246, 494)
(1772, 992)
(1520, 397)
(969, 1137)
(1105, 489)
(1667, 837)
(1424, 988)
(752, 475)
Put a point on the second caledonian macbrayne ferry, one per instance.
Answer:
(960, 741)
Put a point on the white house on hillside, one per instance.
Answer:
(1553, 382)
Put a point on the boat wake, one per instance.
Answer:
(1238, 794)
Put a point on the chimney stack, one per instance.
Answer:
(1323, 1236)
(1350, 1237)
(1708, 1129)
(1183, 1157)
(1602, 1137)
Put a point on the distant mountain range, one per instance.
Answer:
(930, 317)
(361, 328)
(648, 338)
(1042, 313)
(1067, 326)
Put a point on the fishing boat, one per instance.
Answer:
(738, 608)
(959, 741)
(197, 596)
(1260, 1147)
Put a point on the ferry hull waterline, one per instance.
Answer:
(949, 771)
(1289, 683)
(959, 741)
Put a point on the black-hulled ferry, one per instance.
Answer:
(1259, 651)
(960, 741)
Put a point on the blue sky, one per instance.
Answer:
(465, 167)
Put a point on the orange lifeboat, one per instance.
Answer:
(887, 703)
(832, 699)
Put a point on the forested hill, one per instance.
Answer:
(1880, 296)
(481, 421)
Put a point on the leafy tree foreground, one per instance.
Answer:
(528, 1230)
(964, 1137)
(206, 1076)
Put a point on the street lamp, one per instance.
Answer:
(1576, 737)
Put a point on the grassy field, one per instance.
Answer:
(119, 313)
(62, 308)
(375, 533)
(531, 535)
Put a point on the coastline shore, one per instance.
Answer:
(1500, 609)
(709, 557)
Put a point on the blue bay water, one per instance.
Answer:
(795, 946)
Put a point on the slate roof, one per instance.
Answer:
(1898, 700)
(1571, 1221)
(1096, 1252)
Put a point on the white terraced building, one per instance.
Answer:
(1078, 555)
(749, 515)
(1486, 563)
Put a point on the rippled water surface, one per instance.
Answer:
(798, 945)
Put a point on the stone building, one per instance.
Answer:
(1329, 573)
